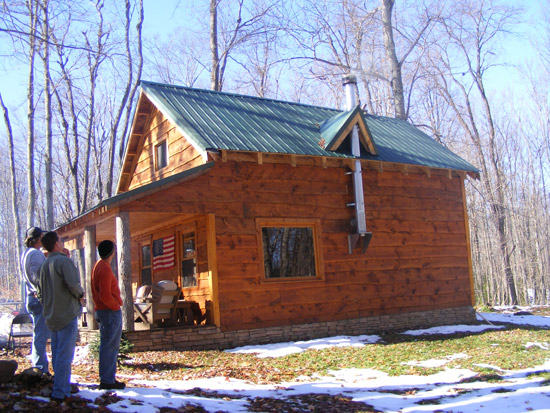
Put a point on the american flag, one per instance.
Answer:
(163, 253)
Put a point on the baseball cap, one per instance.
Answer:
(34, 232)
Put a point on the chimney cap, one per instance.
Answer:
(349, 78)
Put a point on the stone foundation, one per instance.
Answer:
(206, 337)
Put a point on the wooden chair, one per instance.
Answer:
(159, 307)
(21, 326)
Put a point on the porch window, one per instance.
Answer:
(146, 265)
(161, 155)
(289, 249)
(188, 260)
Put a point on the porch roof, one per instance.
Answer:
(101, 209)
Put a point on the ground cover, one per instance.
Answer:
(503, 367)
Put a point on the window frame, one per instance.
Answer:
(182, 238)
(314, 224)
(141, 266)
(163, 144)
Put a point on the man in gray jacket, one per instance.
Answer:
(61, 295)
(31, 260)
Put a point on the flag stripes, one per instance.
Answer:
(164, 253)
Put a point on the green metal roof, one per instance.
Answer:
(218, 120)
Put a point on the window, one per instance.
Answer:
(289, 249)
(146, 265)
(161, 155)
(188, 260)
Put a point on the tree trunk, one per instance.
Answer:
(90, 255)
(125, 269)
(396, 79)
(13, 179)
(215, 69)
(31, 203)
(48, 115)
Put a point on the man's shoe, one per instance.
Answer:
(117, 385)
(57, 399)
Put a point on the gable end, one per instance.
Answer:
(336, 130)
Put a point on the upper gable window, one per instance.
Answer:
(161, 155)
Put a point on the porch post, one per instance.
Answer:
(213, 268)
(125, 268)
(89, 262)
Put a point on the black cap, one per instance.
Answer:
(33, 233)
(105, 248)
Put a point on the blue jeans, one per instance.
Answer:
(110, 332)
(40, 334)
(63, 345)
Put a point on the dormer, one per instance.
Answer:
(335, 131)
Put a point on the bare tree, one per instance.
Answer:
(215, 58)
(124, 110)
(231, 31)
(470, 31)
(13, 181)
(32, 7)
(44, 7)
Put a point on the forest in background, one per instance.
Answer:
(436, 63)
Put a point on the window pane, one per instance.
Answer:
(288, 252)
(146, 256)
(162, 155)
(188, 242)
(146, 276)
(188, 273)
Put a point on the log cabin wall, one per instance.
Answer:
(181, 154)
(417, 260)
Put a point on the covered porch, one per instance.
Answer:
(152, 246)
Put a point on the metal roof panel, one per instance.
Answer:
(219, 120)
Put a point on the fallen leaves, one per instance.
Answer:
(312, 402)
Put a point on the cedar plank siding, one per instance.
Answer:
(181, 154)
(417, 260)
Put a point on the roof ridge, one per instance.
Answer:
(240, 95)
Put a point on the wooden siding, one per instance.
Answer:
(181, 154)
(417, 260)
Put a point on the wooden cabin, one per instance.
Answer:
(256, 196)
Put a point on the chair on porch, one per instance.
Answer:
(158, 308)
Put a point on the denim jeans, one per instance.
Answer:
(40, 334)
(110, 332)
(63, 345)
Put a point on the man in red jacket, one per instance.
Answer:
(107, 301)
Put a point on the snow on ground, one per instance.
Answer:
(529, 320)
(284, 349)
(435, 362)
(450, 330)
(443, 391)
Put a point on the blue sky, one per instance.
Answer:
(162, 20)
